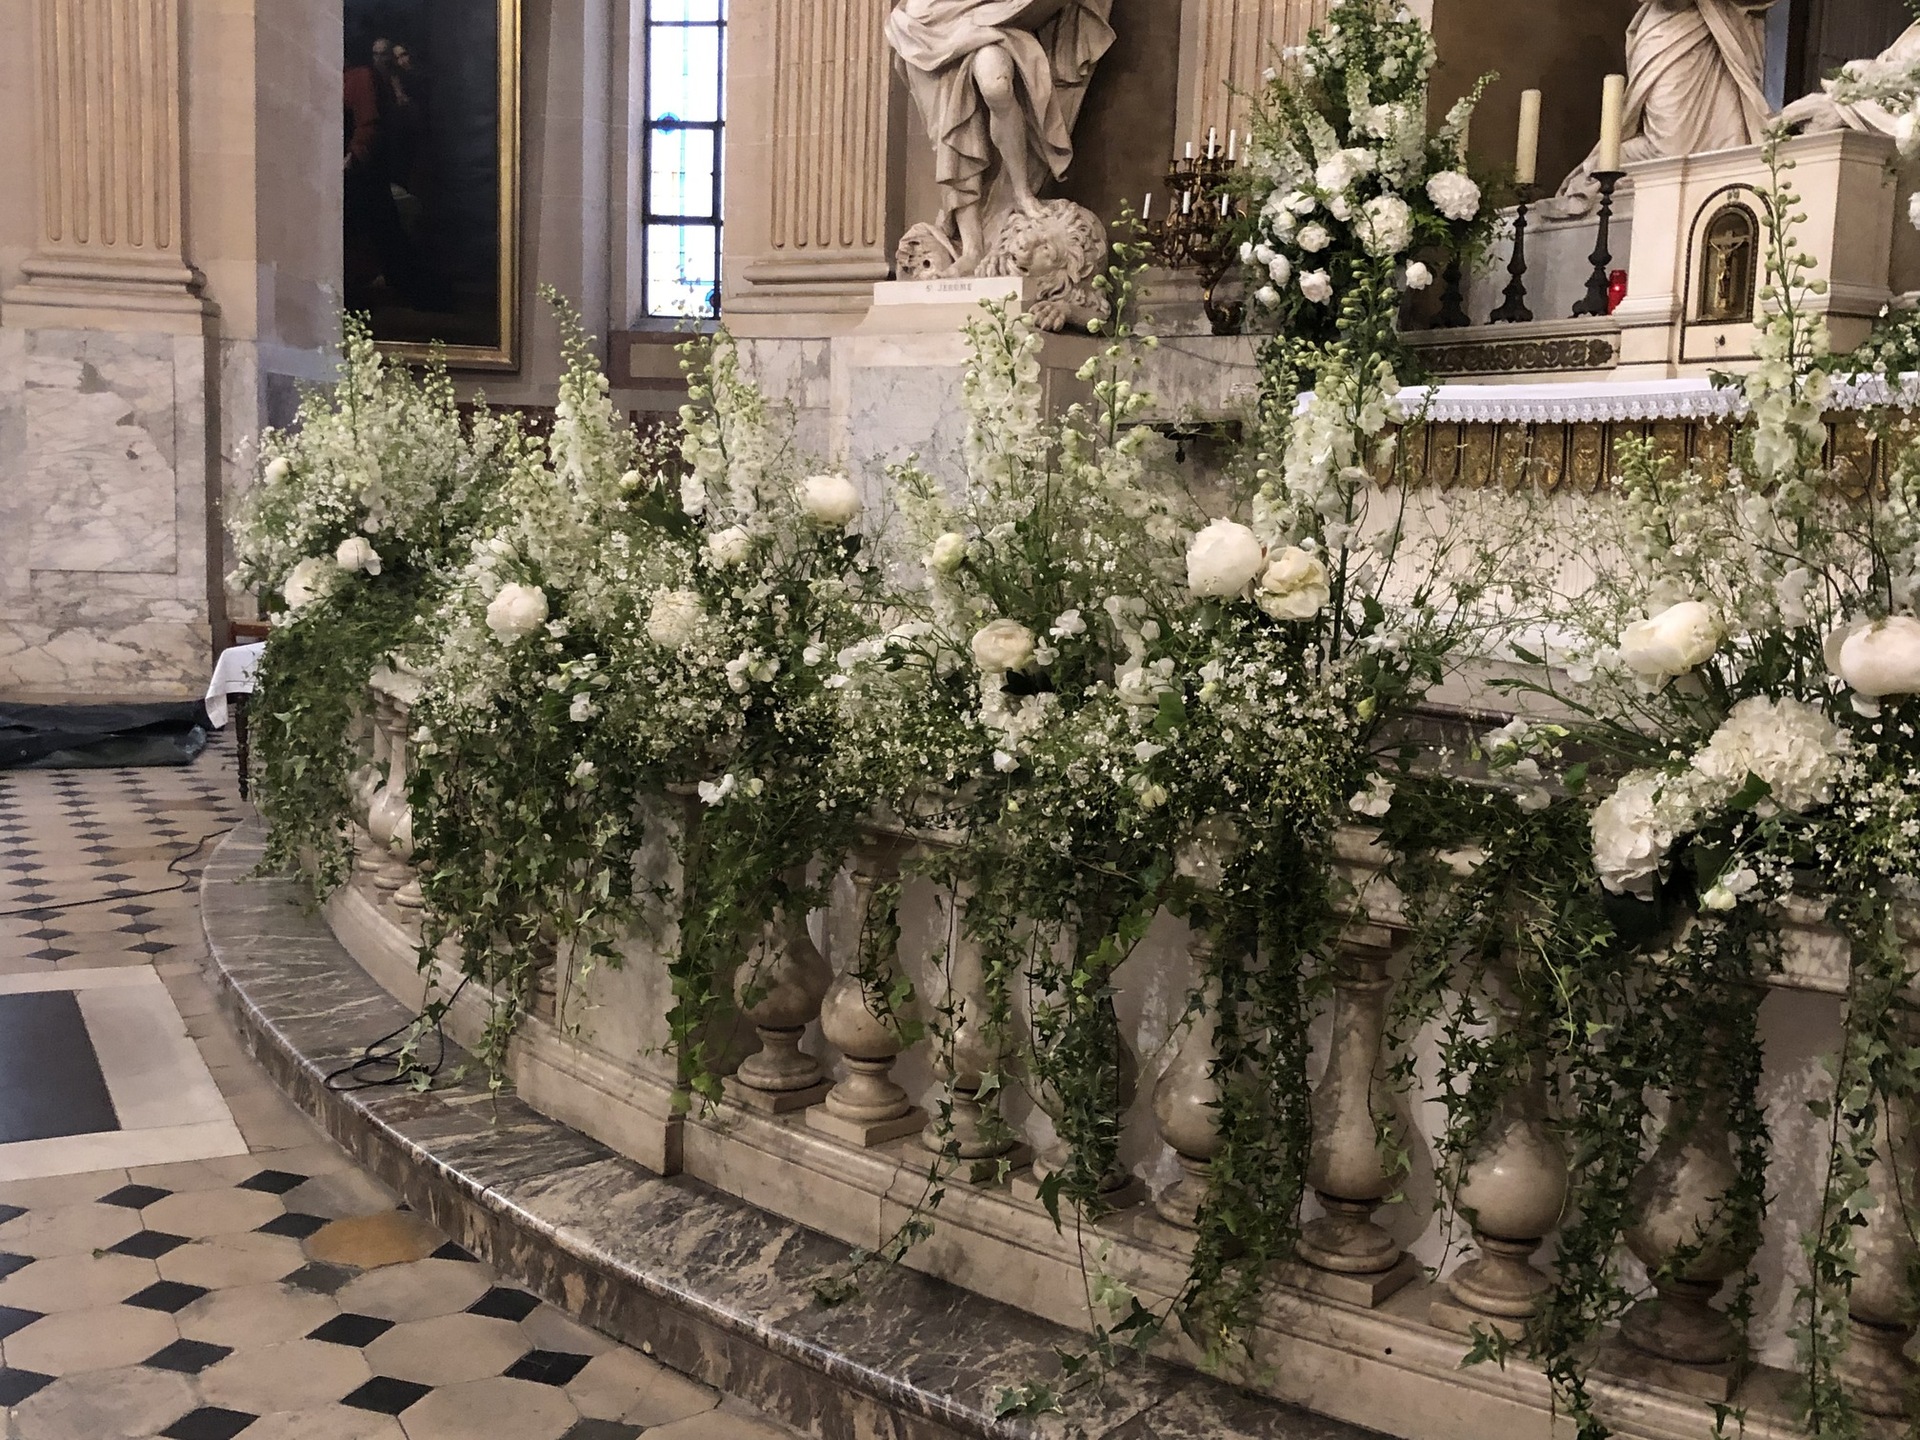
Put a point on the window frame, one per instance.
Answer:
(653, 125)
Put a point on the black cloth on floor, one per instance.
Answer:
(89, 737)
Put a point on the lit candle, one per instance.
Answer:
(1146, 207)
(1213, 140)
(1186, 202)
(1613, 121)
(1233, 139)
(1526, 160)
(1223, 207)
(1189, 149)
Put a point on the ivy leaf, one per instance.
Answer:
(1050, 1194)
(1750, 794)
(1575, 778)
(1173, 713)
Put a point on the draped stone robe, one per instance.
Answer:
(1695, 71)
(1054, 46)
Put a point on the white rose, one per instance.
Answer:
(1280, 270)
(1454, 195)
(1790, 745)
(674, 617)
(1139, 687)
(1003, 645)
(1386, 225)
(1883, 659)
(729, 547)
(949, 553)
(308, 581)
(830, 501)
(1317, 286)
(1419, 277)
(356, 553)
(1677, 640)
(1261, 254)
(1294, 586)
(1267, 298)
(1314, 238)
(517, 611)
(1246, 252)
(277, 470)
(1222, 560)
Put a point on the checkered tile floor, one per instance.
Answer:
(279, 1295)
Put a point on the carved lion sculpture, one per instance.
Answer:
(1064, 247)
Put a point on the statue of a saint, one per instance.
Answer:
(1820, 111)
(1695, 71)
(995, 81)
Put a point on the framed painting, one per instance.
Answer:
(430, 119)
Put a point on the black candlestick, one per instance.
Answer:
(1602, 257)
(1513, 310)
(1453, 308)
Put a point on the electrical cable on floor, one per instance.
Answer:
(385, 1052)
(34, 912)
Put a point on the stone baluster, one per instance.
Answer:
(1118, 1187)
(973, 1130)
(1679, 1197)
(1513, 1194)
(1875, 1367)
(1350, 1256)
(389, 799)
(867, 1108)
(1186, 1102)
(780, 988)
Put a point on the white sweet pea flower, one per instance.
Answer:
(1454, 195)
(729, 547)
(1294, 586)
(1222, 560)
(673, 617)
(829, 501)
(1067, 624)
(1730, 889)
(1882, 658)
(1002, 645)
(1317, 286)
(308, 581)
(582, 709)
(712, 792)
(1375, 800)
(517, 611)
(357, 554)
(1678, 640)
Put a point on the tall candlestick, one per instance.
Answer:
(1613, 121)
(1526, 160)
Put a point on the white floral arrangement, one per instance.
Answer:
(1350, 183)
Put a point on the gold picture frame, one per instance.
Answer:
(417, 256)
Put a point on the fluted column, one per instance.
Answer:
(820, 88)
(108, 99)
(1346, 1253)
(1227, 45)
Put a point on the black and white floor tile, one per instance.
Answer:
(161, 1281)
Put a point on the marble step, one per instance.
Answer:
(705, 1282)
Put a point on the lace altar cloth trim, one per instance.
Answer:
(1593, 401)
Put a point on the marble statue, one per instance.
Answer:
(1694, 83)
(999, 84)
(1820, 111)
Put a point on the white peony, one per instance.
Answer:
(1294, 586)
(1419, 277)
(1787, 743)
(1677, 640)
(673, 618)
(1267, 298)
(308, 581)
(729, 547)
(1280, 270)
(1454, 195)
(1223, 559)
(1883, 659)
(1385, 226)
(517, 611)
(277, 470)
(1003, 645)
(356, 553)
(949, 553)
(1314, 238)
(1317, 286)
(830, 501)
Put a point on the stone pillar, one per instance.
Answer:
(108, 580)
(1226, 46)
(107, 84)
(810, 131)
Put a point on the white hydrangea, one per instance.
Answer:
(673, 618)
(1634, 828)
(1386, 225)
(1454, 195)
(1790, 745)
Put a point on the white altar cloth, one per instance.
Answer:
(1575, 402)
(232, 675)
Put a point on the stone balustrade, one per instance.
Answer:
(844, 1095)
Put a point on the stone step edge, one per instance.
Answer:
(776, 1369)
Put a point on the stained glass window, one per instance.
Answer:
(686, 90)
